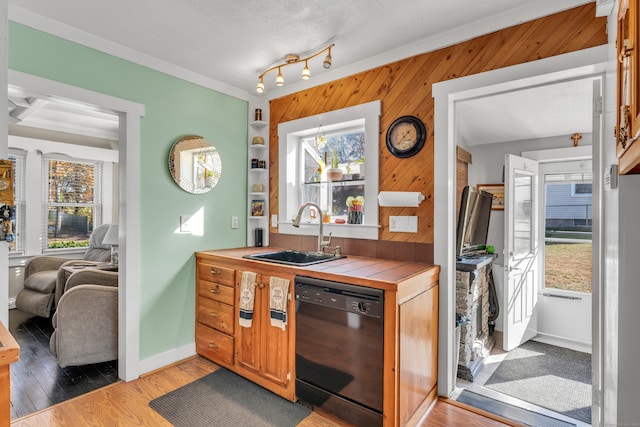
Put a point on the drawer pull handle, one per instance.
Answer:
(214, 291)
(213, 345)
(214, 314)
(214, 271)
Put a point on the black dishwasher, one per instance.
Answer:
(339, 349)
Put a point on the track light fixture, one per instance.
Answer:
(294, 59)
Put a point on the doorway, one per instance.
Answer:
(446, 94)
(129, 209)
(546, 380)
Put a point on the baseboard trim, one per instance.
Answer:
(167, 358)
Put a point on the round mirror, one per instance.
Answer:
(195, 164)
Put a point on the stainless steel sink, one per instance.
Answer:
(291, 257)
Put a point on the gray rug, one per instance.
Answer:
(552, 377)
(223, 399)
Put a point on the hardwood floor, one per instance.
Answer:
(37, 382)
(126, 404)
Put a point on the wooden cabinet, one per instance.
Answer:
(262, 351)
(628, 88)
(215, 310)
(265, 354)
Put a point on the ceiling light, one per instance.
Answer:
(306, 73)
(291, 59)
(280, 78)
(327, 60)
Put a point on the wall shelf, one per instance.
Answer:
(257, 176)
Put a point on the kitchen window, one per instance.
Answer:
(347, 146)
(307, 147)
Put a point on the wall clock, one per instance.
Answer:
(406, 136)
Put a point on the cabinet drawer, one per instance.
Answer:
(216, 274)
(216, 314)
(216, 291)
(214, 345)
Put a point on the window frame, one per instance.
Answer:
(20, 159)
(35, 150)
(291, 171)
(97, 204)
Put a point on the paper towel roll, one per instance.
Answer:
(400, 198)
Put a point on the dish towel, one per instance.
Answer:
(247, 297)
(278, 294)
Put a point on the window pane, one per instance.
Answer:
(523, 215)
(69, 226)
(318, 154)
(15, 223)
(71, 182)
(568, 232)
(73, 203)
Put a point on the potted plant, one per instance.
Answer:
(334, 173)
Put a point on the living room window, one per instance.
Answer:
(17, 222)
(73, 201)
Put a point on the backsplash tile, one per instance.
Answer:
(384, 249)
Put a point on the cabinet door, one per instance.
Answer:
(262, 348)
(628, 88)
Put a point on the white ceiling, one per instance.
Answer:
(539, 112)
(227, 44)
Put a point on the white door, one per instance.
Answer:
(520, 250)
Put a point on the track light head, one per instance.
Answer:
(306, 73)
(327, 60)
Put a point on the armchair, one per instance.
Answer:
(86, 320)
(42, 274)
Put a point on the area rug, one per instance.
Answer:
(552, 377)
(521, 415)
(223, 399)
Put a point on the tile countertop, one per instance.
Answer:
(373, 272)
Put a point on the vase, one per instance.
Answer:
(354, 216)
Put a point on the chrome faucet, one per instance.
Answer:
(322, 243)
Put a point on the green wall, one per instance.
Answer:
(173, 108)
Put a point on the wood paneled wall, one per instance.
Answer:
(404, 87)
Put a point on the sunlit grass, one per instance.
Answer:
(568, 266)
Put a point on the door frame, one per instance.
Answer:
(582, 63)
(128, 213)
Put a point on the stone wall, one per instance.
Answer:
(472, 301)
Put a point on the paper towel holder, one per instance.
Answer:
(401, 198)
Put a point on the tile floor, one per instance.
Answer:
(490, 365)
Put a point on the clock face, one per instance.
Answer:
(406, 136)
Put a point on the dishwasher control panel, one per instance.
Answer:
(345, 297)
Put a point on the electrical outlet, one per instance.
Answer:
(234, 222)
(274, 221)
(403, 224)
